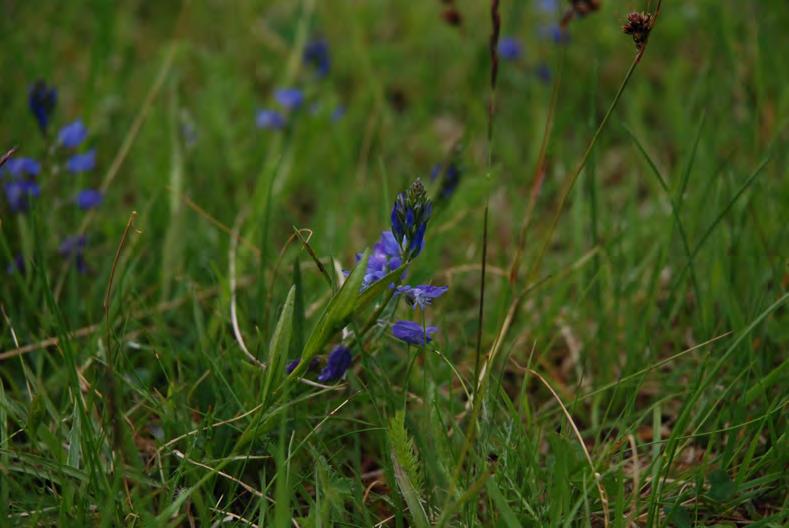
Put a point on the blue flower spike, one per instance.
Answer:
(42, 100)
(413, 333)
(410, 215)
(316, 53)
(450, 178)
(338, 362)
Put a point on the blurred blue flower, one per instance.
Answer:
(338, 362)
(72, 244)
(413, 333)
(422, 295)
(189, 133)
(290, 367)
(548, 6)
(450, 178)
(73, 247)
(543, 72)
(73, 134)
(338, 113)
(269, 120)
(42, 100)
(555, 33)
(20, 166)
(19, 192)
(17, 264)
(89, 198)
(316, 52)
(82, 162)
(289, 98)
(509, 48)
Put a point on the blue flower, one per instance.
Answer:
(20, 166)
(413, 333)
(410, 215)
(422, 295)
(289, 98)
(555, 33)
(82, 162)
(19, 192)
(384, 258)
(338, 113)
(509, 48)
(73, 247)
(316, 52)
(543, 72)
(42, 100)
(16, 265)
(290, 367)
(73, 134)
(548, 6)
(450, 180)
(338, 362)
(89, 198)
(189, 133)
(270, 120)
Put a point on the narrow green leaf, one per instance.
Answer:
(504, 510)
(297, 337)
(336, 315)
(279, 344)
(74, 440)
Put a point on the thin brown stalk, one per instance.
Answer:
(7, 156)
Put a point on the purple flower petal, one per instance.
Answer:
(73, 134)
(269, 120)
(422, 295)
(19, 193)
(289, 98)
(413, 333)
(338, 362)
(82, 162)
(509, 48)
(17, 167)
(89, 198)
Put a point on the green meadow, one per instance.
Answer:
(226, 229)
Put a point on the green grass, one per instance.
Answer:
(634, 371)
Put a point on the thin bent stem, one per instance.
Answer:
(570, 183)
